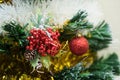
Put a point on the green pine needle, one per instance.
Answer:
(16, 32)
(69, 74)
(14, 37)
(103, 69)
(100, 37)
(77, 24)
(4, 47)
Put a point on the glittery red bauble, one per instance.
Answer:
(79, 45)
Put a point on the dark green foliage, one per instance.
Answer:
(77, 24)
(114, 62)
(14, 38)
(100, 37)
(96, 75)
(101, 69)
(14, 65)
(69, 74)
(16, 32)
(4, 47)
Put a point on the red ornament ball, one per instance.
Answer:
(79, 45)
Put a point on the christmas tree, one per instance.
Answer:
(54, 40)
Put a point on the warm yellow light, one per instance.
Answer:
(1, 1)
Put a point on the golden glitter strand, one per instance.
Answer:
(65, 58)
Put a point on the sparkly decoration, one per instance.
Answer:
(15, 67)
(65, 58)
(79, 45)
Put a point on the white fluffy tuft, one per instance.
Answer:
(60, 10)
(66, 9)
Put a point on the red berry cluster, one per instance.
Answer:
(42, 43)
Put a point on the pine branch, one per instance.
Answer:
(69, 74)
(103, 69)
(4, 48)
(100, 37)
(76, 24)
(113, 61)
(16, 32)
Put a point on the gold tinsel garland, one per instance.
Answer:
(66, 59)
(15, 67)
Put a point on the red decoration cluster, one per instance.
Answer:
(42, 43)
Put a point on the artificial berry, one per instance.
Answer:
(43, 54)
(31, 48)
(40, 41)
(31, 31)
(27, 47)
(37, 36)
(31, 37)
(28, 38)
(31, 43)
